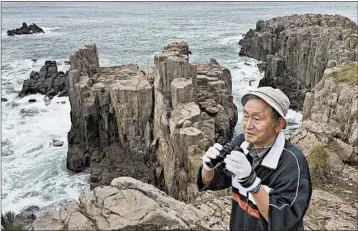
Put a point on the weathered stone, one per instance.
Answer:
(212, 110)
(329, 212)
(189, 111)
(298, 48)
(328, 122)
(182, 91)
(48, 81)
(132, 204)
(128, 121)
(57, 143)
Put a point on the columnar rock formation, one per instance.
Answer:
(48, 81)
(298, 48)
(330, 120)
(152, 124)
(330, 116)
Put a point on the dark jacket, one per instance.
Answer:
(284, 174)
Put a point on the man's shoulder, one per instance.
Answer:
(293, 151)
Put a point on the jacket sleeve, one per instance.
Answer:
(220, 181)
(289, 199)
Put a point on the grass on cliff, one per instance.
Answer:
(348, 73)
(317, 162)
(8, 222)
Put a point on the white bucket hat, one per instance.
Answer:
(273, 97)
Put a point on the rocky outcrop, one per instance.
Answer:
(153, 123)
(327, 211)
(27, 216)
(129, 204)
(48, 81)
(25, 29)
(330, 115)
(298, 48)
(330, 120)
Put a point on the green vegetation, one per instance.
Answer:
(347, 73)
(8, 222)
(317, 161)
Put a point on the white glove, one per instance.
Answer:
(211, 155)
(237, 163)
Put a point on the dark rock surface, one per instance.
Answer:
(47, 81)
(57, 143)
(25, 29)
(27, 216)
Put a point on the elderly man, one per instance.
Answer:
(269, 176)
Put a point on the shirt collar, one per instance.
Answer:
(273, 156)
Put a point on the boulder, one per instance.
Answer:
(57, 143)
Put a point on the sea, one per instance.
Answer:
(33, 171)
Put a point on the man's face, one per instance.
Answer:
(258, 126)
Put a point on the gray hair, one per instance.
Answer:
(274, 114)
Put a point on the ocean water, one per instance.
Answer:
(33, 171)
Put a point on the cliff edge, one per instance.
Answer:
(297, 49)
(153, 123)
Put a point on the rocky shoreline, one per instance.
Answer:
(297, 49)
(142, 131)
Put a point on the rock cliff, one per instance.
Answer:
(151, 123)
(328, 134)
(297, 49)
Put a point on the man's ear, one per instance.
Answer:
(281, 123)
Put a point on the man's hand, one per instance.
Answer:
(238, 164)
(210, 159)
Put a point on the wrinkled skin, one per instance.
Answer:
(258, 125)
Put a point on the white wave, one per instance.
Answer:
(230, 40)
(35, 173)
(51, 29)
(14, 73)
